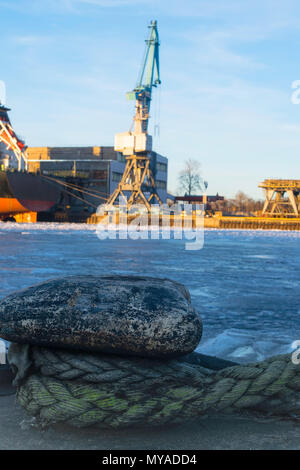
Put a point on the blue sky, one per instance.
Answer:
(227, 67)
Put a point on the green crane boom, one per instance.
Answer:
(138, 140)
(149, 77)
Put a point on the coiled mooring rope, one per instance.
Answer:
(84, 389)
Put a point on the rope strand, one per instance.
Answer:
(84, 389)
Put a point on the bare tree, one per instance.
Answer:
(189, 178)
(241, 204)
(241, 201)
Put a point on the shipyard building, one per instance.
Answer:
(98, 170)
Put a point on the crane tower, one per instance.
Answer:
(136, 145)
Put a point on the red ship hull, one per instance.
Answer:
(26, 192)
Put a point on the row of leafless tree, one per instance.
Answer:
(241, 204)
(190, 182)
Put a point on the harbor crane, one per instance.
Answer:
(136, 145)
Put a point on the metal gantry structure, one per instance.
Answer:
(137, 180)
(11, 142)
(282, 197)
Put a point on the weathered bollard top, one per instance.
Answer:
(125, 315)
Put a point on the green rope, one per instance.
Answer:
(84, 389)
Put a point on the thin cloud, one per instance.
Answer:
(217, 48)
(28, 40)
(111, 3)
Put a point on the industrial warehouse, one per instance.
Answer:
(87, 176)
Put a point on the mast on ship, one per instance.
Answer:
(12, 148)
